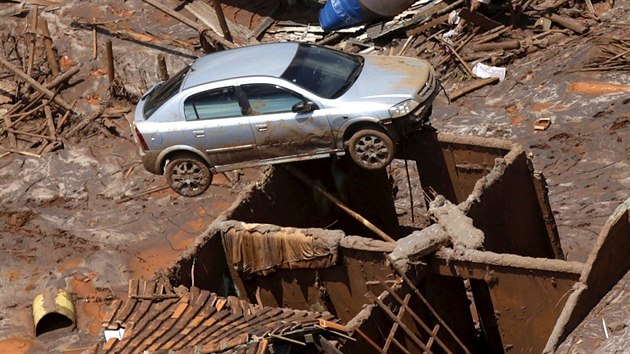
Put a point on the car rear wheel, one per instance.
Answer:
(188, 175)
(371, 149)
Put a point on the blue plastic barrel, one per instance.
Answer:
(338, 14)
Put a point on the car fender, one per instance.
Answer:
(176, 148)
(339, 134)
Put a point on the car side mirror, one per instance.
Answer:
(304, 107)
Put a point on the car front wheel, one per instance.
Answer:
(371, 149)
(188, 175)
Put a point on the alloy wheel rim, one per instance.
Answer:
(372, 150)
(189, 177)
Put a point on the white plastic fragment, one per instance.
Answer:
(484, 71)
(116, 333)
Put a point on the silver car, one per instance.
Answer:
(279, 102)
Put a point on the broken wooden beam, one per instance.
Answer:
(473, 87)
(162, 71)
(109, 64)
(35, 84)
(222, 22)
(48, 46)
(496, 45)
(32, 24)
(190, 23)
(569, 23)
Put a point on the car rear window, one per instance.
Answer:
(164, 92)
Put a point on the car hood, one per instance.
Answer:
(389, 79)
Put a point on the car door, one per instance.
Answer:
(279, 131)
(215, 124)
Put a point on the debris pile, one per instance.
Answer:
(157, 317)
(614, 54)
(34, 115)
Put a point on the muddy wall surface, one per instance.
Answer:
(507, 208)
(281, 199)
(518, 299)
(453, 311)
(451, 165)
(204, 266)
(320, 273)
(606, 265)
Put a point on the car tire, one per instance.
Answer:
(188, 175)
(371, 149)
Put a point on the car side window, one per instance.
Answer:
(269, 99)
(218, 103)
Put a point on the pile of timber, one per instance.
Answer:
(453, 34)
(614, 54)
(157, 318)
(34, 116)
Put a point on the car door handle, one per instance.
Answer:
(261, 127)
(199, 133)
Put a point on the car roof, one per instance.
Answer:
(270, 59)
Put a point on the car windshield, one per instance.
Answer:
(163, 92)
(325, 72)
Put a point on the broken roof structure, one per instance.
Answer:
(487, 275)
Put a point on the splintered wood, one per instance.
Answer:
(39, 114)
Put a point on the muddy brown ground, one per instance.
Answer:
(63, 221)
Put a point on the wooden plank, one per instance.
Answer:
(438, 21)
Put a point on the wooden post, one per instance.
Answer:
(33, 27)
(49, 119)
(109, 63)
(48, 45)
(222, 22)
(162, 71)
(94, 40)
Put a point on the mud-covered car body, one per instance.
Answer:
(279, 102)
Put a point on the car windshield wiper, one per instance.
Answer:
(351, 78)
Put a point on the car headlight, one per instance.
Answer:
(403, 108)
